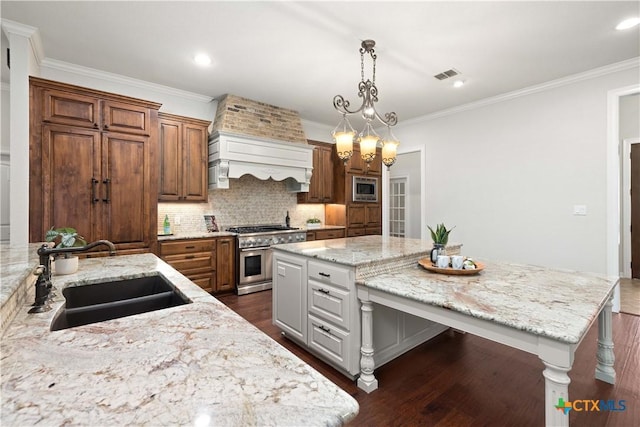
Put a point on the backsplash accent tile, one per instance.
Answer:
(247, 201)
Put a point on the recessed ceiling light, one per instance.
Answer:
(628, 23)
(458, 83)
(202, 59)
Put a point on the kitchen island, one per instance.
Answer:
(315, 302)
(542, 311)
(194, 364)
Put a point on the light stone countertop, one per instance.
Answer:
(370, 255)
(178, 366)
(558, 304)
(194, 235)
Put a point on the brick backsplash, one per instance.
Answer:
(246, 117)
(247, 201)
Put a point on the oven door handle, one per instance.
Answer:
(262, 248)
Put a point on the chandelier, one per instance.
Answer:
(344, 135)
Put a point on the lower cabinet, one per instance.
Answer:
(208, 262)
(334, 233)
(315, 304)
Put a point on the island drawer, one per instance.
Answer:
(329, 303)
(329, 273)
(329, 234)
(329, 342)
(187, 246)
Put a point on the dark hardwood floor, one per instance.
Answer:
(463, 380)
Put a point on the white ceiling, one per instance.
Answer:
(299, 55)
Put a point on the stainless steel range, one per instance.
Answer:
(253, 259)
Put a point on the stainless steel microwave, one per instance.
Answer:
(365, 189)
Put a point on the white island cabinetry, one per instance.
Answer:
(315, 300)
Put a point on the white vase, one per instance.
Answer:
(313, 225)
(66, 265)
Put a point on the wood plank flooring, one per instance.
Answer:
(630, 296)
(463, 380)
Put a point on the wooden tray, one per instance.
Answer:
(428, 265)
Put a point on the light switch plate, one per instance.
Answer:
(580, 210)
(176, 219)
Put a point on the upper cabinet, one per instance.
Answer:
(87, 111)
(183, 159)
(321, 184)
(357, 166)
(93, 165)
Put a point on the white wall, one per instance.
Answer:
(508, 175)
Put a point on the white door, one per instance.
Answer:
(397, 206)
(405, 196)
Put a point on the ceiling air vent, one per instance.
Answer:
(447, 74)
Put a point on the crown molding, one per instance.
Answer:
(120, 79)
(32, 33)
(596, 72)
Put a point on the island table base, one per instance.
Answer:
(557, 356)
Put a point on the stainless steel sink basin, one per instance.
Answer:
(111, 300)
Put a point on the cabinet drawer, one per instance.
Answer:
(355, 232)
(329, 303)
(311, 235)
(329, 341)
(187, 246)
(206, 281)
(198, 261)
(329, 273)
(329, 234)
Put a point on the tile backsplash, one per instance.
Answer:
(247, 201)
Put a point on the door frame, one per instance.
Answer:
(626, 205)
(407, 212)
(614, 208)
(423, 181)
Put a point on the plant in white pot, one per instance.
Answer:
(313, 223)
(65, 237)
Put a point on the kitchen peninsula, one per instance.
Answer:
(542, 311)
(194, 364)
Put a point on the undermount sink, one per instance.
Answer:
(112, 300)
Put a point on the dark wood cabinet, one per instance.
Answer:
(183, 159)
(226, 265)
(334, 233)
(360, 218)
(93, 165)
(208, 262)
(321, 185)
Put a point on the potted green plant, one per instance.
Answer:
(65, 237)
(440, 238)
(313, 223)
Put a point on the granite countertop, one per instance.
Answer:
(194, 235)
(558, 304)
(369, 254)
(198, 363)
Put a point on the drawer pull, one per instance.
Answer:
(324, 274)
(189, 247)
(324, 329)
(190, 257)
(324, 291)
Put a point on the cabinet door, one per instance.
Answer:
(375, 167)
(70, 172)
(194, 155)
(373, 215)
(290, 296)
(356, 216)
(170, 161)
(125, 118)
(126, 189)
(226, 264)
(326, 176)
(315, 185)
(68, 108)
(356, 164)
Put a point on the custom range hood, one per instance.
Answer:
(259, 139)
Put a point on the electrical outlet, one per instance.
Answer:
(176, 220)
(580, 210)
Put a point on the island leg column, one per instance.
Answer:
(367, 380)
(605, 355)
(556, 394)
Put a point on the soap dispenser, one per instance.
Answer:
(166, 227)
